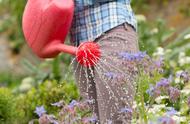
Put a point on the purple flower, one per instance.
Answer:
(150, 91)
(163, 83)
(92, 119)
(110, 75)
(171, 112)
(140, 55)
(159, 63)
(150, 122)
(40, 111)
(188, 102)
(127, 56)
(73, 104)
(47, 119)
(174, 94)
(166, 120)
(185, 76)
(52, 119)
(126, 110)
(132, 56)
(153, 91)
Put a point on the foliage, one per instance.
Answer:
(9, 79)
(73, 113)
(167, 89)
(163, 92)
(44, 94)
(153, 35)
(12, 21)
(180, 43)
(52, 69)
(140, 5)
(8, 111)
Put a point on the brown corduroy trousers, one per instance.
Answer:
(109, 83)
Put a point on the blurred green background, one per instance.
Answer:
(31, 81)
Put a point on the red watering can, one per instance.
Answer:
(46, 24)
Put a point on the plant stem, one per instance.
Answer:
(56, 68)
(141, 94)
(143, 109)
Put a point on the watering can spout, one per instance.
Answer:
(56, 47)
(68, 49)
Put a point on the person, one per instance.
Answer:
(112, 24)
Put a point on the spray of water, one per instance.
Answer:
(100, 69)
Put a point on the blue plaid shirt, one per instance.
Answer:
(94, 17)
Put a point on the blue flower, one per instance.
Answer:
(165, 120)
(40, 111)
(150, 91)
(163, 83)
(125, 110)
(171, 112)
(153, 91)
(132, 56)
(140, 55)
(159, 63)
(92, 119)
(73, 104)
(127, 56)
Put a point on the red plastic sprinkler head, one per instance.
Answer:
(88, 54)
(46, 24)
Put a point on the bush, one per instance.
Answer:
(8, 110)
(45, 94)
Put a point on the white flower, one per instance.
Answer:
(157, 108)
(179, 72)
(181, 54)
(154, 31)
(179, 119)
(134, 105)
(26, 84)
(140, 18)
(185, 91)
(187, 36)
(160, 98)
(172, 63)
(183, 59)
(168, 51)
(188, 60)
(159, 52)
(25, 87)
(28, 80)
(177, 80)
